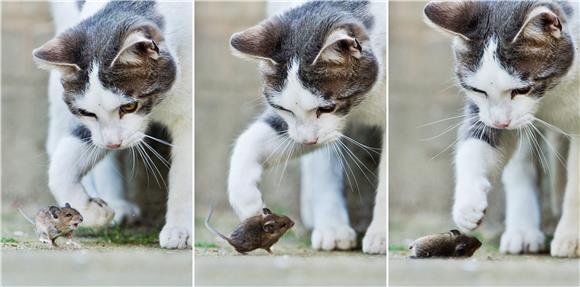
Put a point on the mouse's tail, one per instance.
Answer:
(25, 216)
(213, 230)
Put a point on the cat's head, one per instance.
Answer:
(508, 54)
(113, 74)
(316, 65)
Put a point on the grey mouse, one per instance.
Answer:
(54, 222)
(448, 244)
(260, 231)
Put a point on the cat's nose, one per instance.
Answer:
(311, 141)
(113, 146)
(501, 125)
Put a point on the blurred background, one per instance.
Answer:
(227, 99)
(24, 118)
(422, 90)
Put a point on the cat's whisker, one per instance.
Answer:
(344, 164)
(362, 146)
(442, 120)
(132, 162)
(554, 128)
(453, 143)
(558, 155)
(158, 140)
(149, 162)
(536, 147)
(164, 161)
(286, 164)
(447, 130)
(358, 162)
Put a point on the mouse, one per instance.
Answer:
(448, 244)
(54, 222)
(257, 232)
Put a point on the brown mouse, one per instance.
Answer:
(260, 231)
(449, 244)
(54, 222)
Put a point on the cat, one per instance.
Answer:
(115, 68)
(517, 63)
(322, 63)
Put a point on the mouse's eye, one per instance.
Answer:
(68, 215)
(283, 225)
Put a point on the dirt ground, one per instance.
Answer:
(289, 265)
(485, 268)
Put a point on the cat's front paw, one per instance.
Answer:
(175, 237)
(125, 211)
(327, 238)
(96, 213)
(375, 240)
(470, 205)
(565, 244)
(518, 241)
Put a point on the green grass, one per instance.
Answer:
(8, 240)
(121, 235)
(205, 245)
(398, 247)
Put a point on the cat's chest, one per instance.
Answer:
(561, 107)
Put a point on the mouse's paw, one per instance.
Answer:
(175, 237)
(518, 241)
(470, 205)
(341, 237)
(375, 240)
(96, 213)
(125, 211)
(565, 244)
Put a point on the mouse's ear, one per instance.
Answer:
(269, 226)
(67, 205)
(54, 211)
(455, 232)
(266, 211)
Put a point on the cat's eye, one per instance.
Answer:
(129, 108)
(475, 90)
(84, 113)
(68, 215)
(325, 110)
(520, 91)
(281, 108)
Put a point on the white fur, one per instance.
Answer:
(323, 208)
(498, 107)
(66, 170)
(303, 125)
(522, 221)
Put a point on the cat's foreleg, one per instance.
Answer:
(178, 220)
(520, 178)
(323, 205)
(480, 155)
(71, 159)
(375, 240)
(566, 241)
(105, 180)
(259, 146)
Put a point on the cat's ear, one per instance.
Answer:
(258, 42)
(452, 17)
(57, 54)
(338, 46)
(541, 24)
(138, 45)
